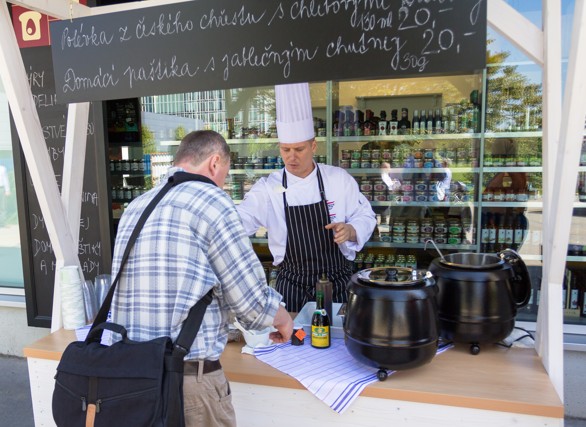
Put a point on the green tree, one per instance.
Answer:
(180, 133)
(149, 145)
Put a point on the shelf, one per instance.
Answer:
(406, 138)
(251, 172)
(525, 134)
(528, 169)
(380, 244)
(530, 204)
(426, 204)
(241, 141)
(119, 173)
(378, 171)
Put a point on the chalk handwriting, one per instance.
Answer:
(221, 18)
(51, 132)
(38, 221)
(159, 70)
(78, 38)
(36, 78)
(45, 100)
(101, 80)
(89, 197)
(166, 25)
(249, 57)
(42, 247)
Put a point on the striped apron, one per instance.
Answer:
(310, 252)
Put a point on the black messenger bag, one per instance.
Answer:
(130, 383)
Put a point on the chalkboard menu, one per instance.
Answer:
(94, 240)
(219, 44)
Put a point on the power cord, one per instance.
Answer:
(527, 335)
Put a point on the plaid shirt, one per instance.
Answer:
(193, 241)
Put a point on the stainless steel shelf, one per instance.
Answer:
(529, 169)
(378, 171)
(439, 136)
(427, 204)
(530, 204)
(380, 244)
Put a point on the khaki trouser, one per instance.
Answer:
(207, 400)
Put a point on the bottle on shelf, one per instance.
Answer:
(348, 123)
(369, 126)
(359, 123)
(393, 127)
(382, 123)
(404, 123)
(438, 124)
(415, 122)
(422, 123)
(430, 122)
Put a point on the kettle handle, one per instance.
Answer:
(521, 283)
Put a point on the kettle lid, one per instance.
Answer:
(392, 276)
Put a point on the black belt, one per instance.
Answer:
(191, 367)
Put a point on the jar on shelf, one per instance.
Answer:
(426, 226)
(424, 237)
(118, 165)
(418, 153)
(355, 155)
(113, 165)
(344, 164)
(429, 153)
(499, 195)
(386, 154)
(345, 154)
(366, 185)
(365, 164)
(487, 195)
(398, 226)
(440, 226)
(366, 154)
(421, 185)
(421, 196)
(375, 154)
(380, 196)
(407, 185)
(412, 226)
(510, 195)
(379, 185)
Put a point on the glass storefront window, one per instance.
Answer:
(10, 249)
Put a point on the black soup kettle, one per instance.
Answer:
(391, 319)
(479, 295)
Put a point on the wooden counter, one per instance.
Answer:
(499, 386)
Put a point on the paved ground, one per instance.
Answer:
(15, 399)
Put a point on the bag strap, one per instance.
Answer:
(194, 320)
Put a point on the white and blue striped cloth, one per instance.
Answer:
(332, 375)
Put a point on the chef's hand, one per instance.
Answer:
(342, 232)
(284, 325)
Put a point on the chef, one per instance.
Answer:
(315, 215)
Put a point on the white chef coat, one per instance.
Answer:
(263, 206)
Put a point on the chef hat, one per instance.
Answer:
(294, 115)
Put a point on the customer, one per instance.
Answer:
(315, 215)
(192, 242)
